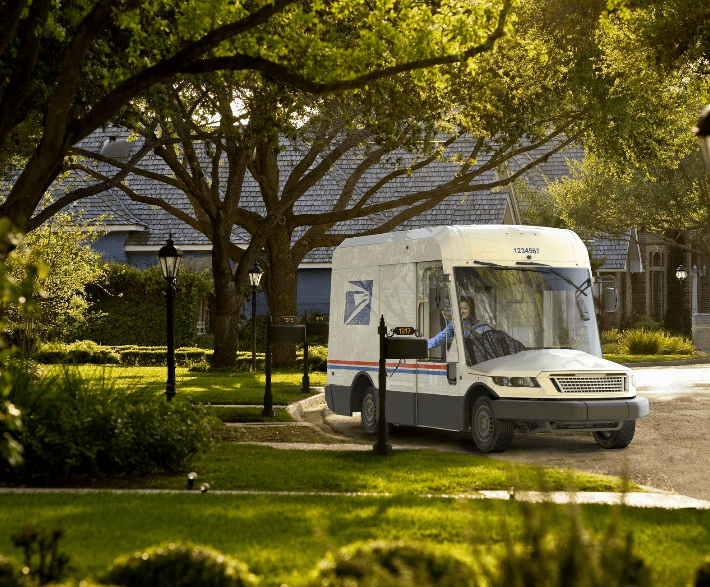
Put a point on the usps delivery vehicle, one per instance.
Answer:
(514, 345)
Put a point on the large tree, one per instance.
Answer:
(510, 104)
(67, 68)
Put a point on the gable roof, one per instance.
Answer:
(620, 253)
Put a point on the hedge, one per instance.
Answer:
(131, 307)
(197, 359)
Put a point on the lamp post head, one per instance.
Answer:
(702, 131)
(255, 274)
(681, 273)
(170, 258)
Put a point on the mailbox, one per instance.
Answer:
(406, 348)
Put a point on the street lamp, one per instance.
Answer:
(703, 133)
(681, 274)
(170, 258)
(255, 274)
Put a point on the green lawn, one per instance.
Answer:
(216, 388)
(245, 466)
(282, 538)
(650, 358)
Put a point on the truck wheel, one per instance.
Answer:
(489, 434)
(369, 411)
(617, 439)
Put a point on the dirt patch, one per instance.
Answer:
(271, 433)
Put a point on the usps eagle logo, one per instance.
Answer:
(358, 301)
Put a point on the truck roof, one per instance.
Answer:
(492, 243)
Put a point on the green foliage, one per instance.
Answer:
(76, 426)
(639, 341)
(610, 336)
(11, 574)
(130, 307)
(544, 558)
(702, 575)
(43, 559)
(69, 265)
(15, 293)
(647, 323)
(179, 565)
(80, 352)
(394, 564)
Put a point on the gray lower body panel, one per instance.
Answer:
(338, 399)
(440, 411)
(570, 410)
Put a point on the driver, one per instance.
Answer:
(470, 326)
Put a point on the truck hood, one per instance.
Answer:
(532, 363)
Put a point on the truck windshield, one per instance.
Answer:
(512, 309)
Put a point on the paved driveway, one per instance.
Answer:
(671, 448)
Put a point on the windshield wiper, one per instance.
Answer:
(586, 284)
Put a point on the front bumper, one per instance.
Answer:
(610, 410)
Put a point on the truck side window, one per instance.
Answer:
(433, 305)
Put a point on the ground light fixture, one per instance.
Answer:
(702, 131)
(255, 274)
(682, 274)
(191, 480)
(170, 258)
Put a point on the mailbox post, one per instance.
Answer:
(391, 348)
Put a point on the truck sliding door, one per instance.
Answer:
(437, 401)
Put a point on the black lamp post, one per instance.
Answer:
(170, 258)
(681, 273)
(703, 133)
(255, 274)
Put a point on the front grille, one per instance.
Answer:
(605, 384)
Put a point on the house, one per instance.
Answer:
(135, 231)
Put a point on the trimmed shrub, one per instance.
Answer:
(152, 356)
(394, 564)
(179, 565)
(76, 427)
(80, 352)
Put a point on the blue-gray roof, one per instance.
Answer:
(479, 207)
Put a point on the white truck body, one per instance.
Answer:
(534, 352)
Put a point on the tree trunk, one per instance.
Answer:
(227, 309)
(282, 284)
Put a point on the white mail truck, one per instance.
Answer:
(509, 315)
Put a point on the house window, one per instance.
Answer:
(203, 315)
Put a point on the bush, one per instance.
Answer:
(610, 336)
(547, 559)
(647, 323)
(645, 342)
(179, 565)
(75, 427)
(152, 356)
(397, 564)
(11, 574)
(80, 352)
(130, 306)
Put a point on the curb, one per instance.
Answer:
(296, 409)
(635, 500)
(679, 363)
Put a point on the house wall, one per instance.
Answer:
(111, 246)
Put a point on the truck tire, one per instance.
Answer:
(489, 434)
(617, 439)
(369, 411)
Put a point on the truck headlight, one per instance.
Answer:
(516, 381)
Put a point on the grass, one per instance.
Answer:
(252, 467)
(216, 388)
(229, 414)
(616, 358)
(282, 538)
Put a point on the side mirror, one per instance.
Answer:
(611, 299)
